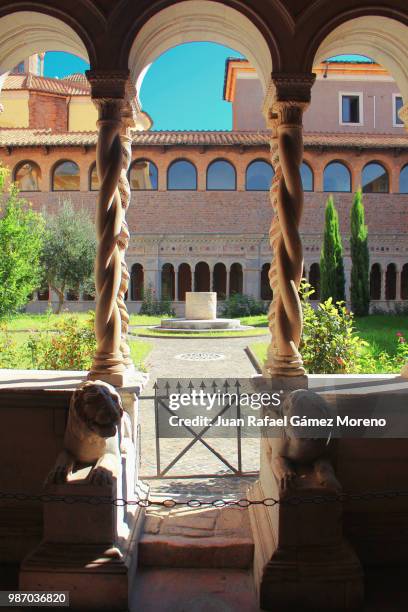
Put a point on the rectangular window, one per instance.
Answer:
(351, 111)
(397, 105)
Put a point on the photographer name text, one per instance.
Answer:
(268, 421)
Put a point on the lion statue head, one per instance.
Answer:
(98, 405)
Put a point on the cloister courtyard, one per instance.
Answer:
(204, 371)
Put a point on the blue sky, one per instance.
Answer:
(183, 88)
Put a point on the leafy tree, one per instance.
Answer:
(332, 280)
(360, 258)
(21, 239)
(69, 251)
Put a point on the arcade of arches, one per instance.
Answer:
(298, 554)
(283, 51)
(282, 43)
(202, 277)
(388, 283)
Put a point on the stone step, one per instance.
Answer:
(193, 590)
(197, 538)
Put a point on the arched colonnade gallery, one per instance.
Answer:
(282, 43)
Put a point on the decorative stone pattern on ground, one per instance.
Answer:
(200, 356)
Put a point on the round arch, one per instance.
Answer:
(182, 175)
(184, 280)
(202, 276)
(403, 179)
(258, 175)
(266, 291)
(221, 175)
(391, 282)
(65, 175)
(136, 282)
(381, 38)
(307, 175)
(27, 175)
(220, 280)
(375, 281)
(337, 176)
(375, 177)
(236, 276)
(168, 282)
(24, 33)
(201, 21)
(93, 179)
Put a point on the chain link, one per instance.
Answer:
(295, 500)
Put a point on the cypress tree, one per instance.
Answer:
(360, 258)
(332, 280)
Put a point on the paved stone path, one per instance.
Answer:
(163, 363)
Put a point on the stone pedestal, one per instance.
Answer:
(301, 559)
(90, 549)
(201, 305)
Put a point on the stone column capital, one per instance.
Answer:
(108, 84)
(115, 96)
(288, 95)
(293, 87)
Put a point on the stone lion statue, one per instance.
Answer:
(91, 436)
(291, 454)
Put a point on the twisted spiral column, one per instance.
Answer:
(403, 113)
(285, 312)
(108, 362)
(123, 243)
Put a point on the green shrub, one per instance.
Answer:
(239, 305)
(360, 258)
(329, 343)
(71, 347)
(152, 306)
(9, 352)
(332, 279)
(402, 348)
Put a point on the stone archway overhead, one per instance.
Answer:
(382, 39)
(27, 32)
(199, 21)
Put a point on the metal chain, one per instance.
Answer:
(294, 500)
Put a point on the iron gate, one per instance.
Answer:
(161, 402)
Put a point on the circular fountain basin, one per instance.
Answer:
(200, 324)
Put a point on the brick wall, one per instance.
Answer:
(238, 211)
(197, 213)
(48, 111)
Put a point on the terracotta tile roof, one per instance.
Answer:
(77, 77)
(44, 137)
(67, 86)
(200, 138)
(11, 137)
(261, 138)
(362, 141)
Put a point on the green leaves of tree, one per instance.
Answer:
(69, 250)
(21, 241)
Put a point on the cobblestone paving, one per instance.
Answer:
(163, 363)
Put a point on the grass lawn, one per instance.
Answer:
(139, 350)
(42, 322)
(255, 320)
(378, 330)
(157, 333)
